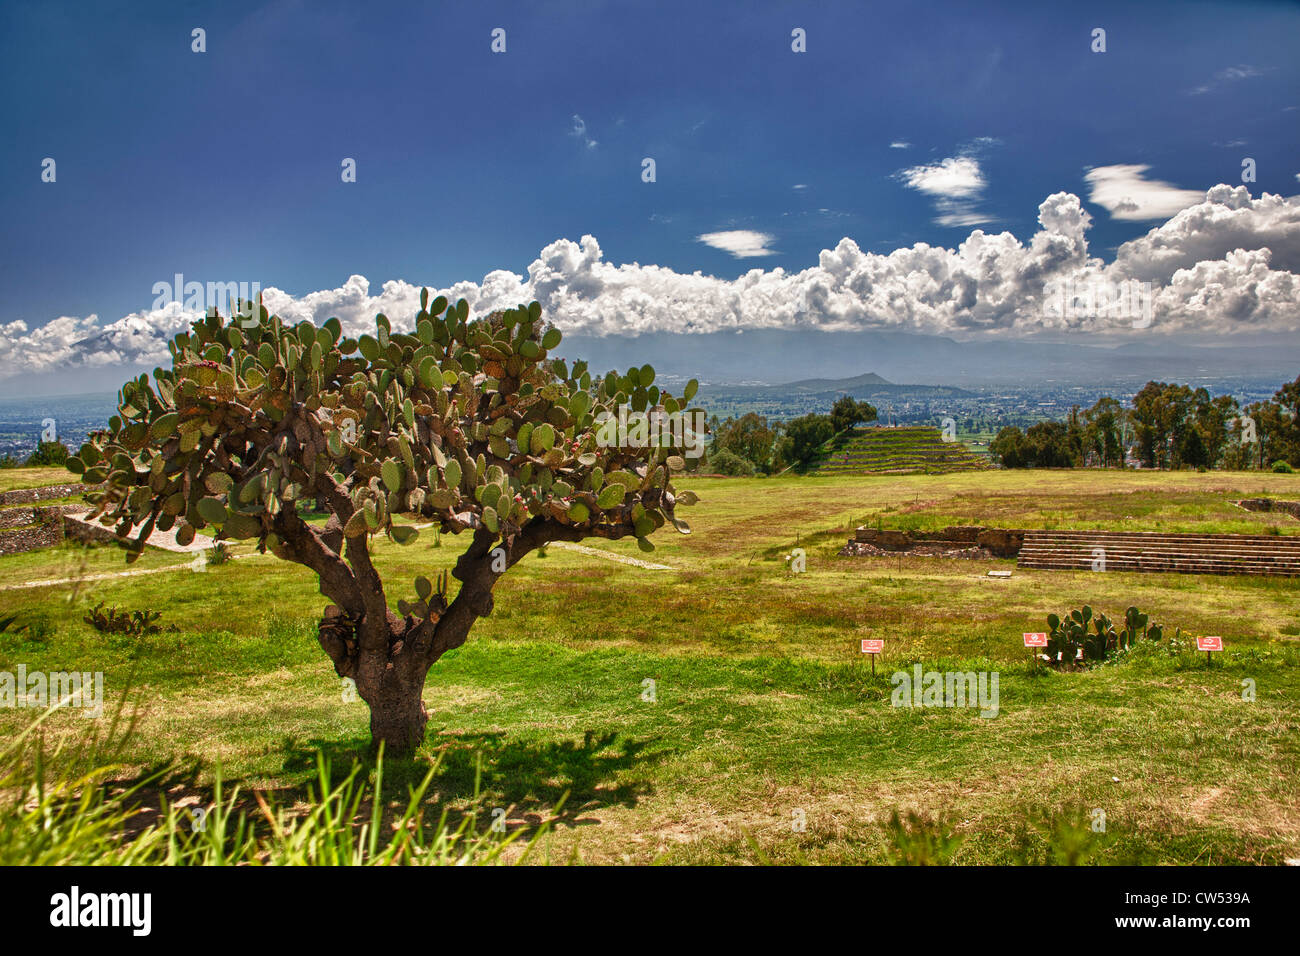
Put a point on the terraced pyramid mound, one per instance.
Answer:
(899, 451)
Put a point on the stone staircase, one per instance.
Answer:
(1155, 552)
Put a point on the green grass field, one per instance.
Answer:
(12, 479)
(764, 713)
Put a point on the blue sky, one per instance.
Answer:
(226, 165)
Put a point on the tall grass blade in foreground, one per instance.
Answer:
(68, 807)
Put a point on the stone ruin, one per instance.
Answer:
(973, 541)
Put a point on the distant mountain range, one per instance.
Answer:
(770, 357)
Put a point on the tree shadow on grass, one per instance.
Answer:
(481, 772)
(148, 791)
(481, 778)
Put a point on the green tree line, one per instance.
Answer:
(1167, 425)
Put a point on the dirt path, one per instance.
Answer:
(595, 553)
(598, 553)
(163, 540)
(199, 564)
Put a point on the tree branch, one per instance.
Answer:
(337, 581)
(475, 570)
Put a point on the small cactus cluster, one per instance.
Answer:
(1136, 626)
(132, 623)
(1069, 635)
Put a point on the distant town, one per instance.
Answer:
(979, 411)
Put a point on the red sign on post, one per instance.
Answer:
(1209, 643)
(873, 647)
(1035, 639)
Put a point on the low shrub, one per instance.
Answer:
(130, 623)
(48, 453)
(729, 463)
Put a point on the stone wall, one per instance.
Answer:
(17, 517)
(32, 514)
(1271, 504)
(25, 525)
(31, 528)
(22, 496)
(87, 531)
(1002, 542)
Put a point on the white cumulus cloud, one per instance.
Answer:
(741, 243)
(957, 177)
(1126, 193)
(1225, 264)
(956, 183)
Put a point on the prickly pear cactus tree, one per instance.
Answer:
(469, 426)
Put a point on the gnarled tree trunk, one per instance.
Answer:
(389, 656)
(388, 663)
(397, 712)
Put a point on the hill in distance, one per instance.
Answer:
(866, 386)
(817, 385)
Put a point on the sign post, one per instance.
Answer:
(1035, 639)
(1209, 645)
(874, 648)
